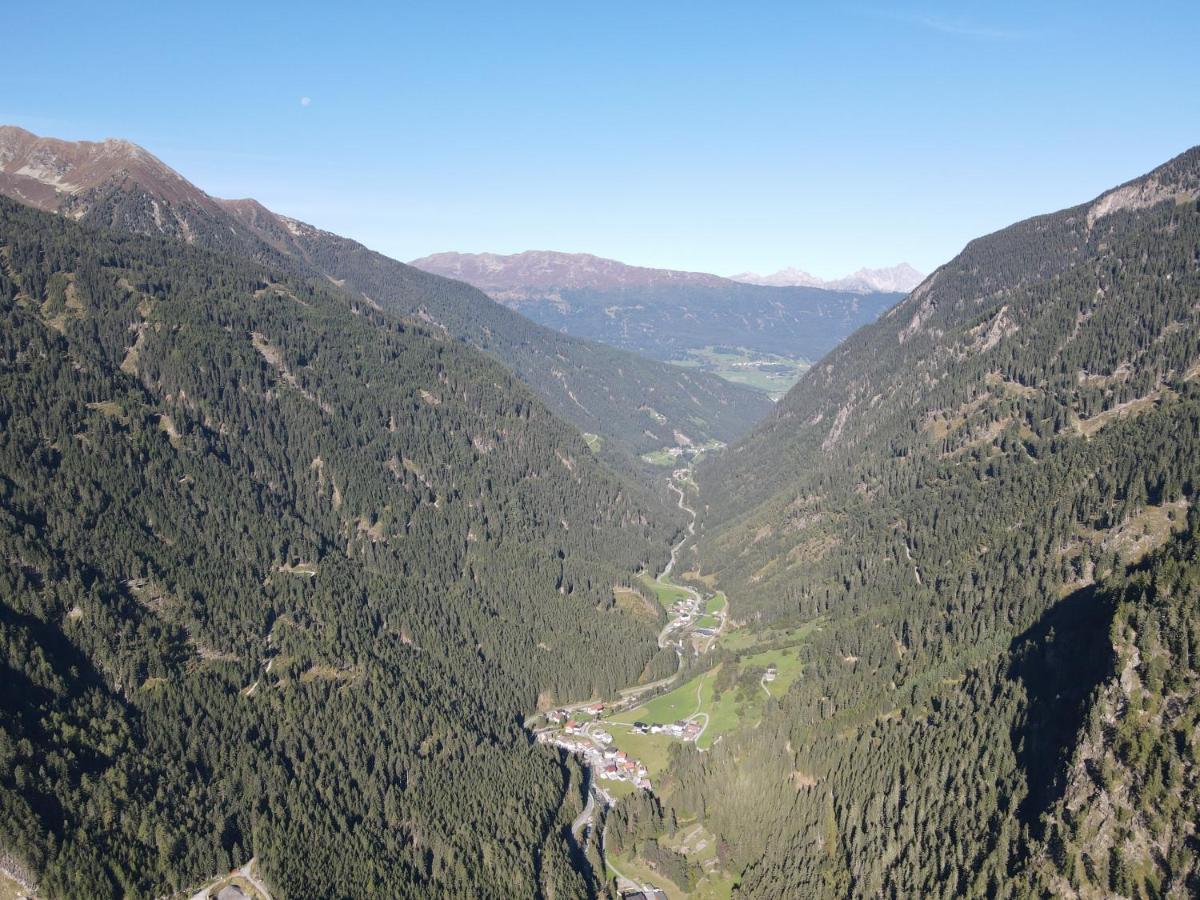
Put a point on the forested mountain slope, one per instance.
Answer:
(940, 498)
(1126, 819)
(634, 403)
(279, 575)
(668, 321)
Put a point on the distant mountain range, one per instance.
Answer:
(896, 279)
(754, 334)
(540, 270)
(635, 404)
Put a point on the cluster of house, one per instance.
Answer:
(684, 729)
(617, 765)
(608, 762)
(561, 716)
(685, 607)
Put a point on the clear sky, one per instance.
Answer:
(718, 137)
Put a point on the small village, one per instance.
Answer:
(580, 729)
(593, 730)
(588, 739)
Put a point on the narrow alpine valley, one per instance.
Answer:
(775, 476)
(624, 742)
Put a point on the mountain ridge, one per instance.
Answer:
(959, 507)
(756, 334)
(548, 269)
(119, 185)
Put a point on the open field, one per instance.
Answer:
(633, 867)
(235, 880)
(635, 604)
(666, 593)
(699, 845)
(787, 663)
(618, 789)
(746, 638)
(651, 749)
(771, 374)
(715, 885)
(696, 696)
(678, 704)
(660, 458)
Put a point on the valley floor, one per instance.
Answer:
(624, 742)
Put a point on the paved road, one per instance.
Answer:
(246, 872)
(585, 817)
(666, 572)
(629, 883)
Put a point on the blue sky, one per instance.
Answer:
(718, 137)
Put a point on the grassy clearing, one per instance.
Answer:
(788, 668)
(594, 441)
(237, 881)
(328, 673)
(724, 714)
(632, 867)
(678, 704)
(307, 569)
(665, 592)
(769, 373)
(1089, 427)
(716, 603)
(618, 789)
(747, 638)
(652, 749)
(714, 886)
(635, 604)
(659, 458)
(699, 845)
(10, 888)
(696, 696)
(709, 581)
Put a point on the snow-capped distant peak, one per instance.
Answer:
(897, 279)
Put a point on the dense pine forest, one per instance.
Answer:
(281, 575)
(962, 503)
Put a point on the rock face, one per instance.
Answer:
(898, 279)
(77, 177)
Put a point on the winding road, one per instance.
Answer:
(666, 572)
(587, 816)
